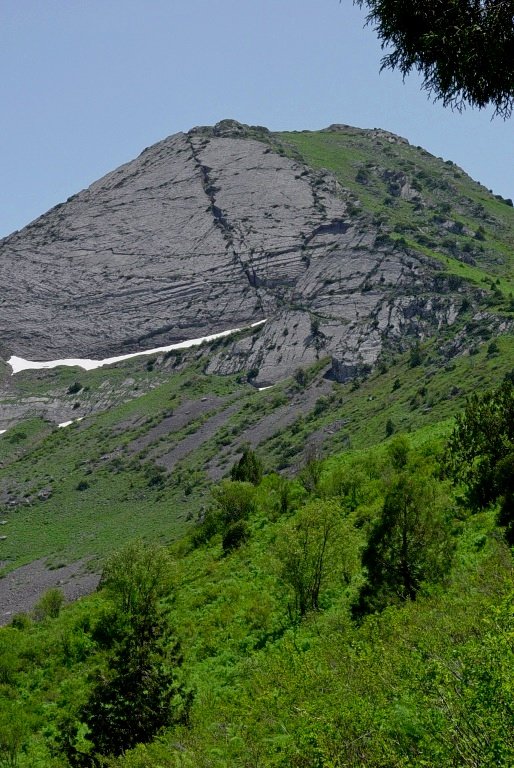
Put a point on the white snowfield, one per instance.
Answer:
(71, 421)
(19, 364)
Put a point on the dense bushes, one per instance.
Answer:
(480, 452)
(259, 615)
(139, 690)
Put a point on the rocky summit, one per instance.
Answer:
(225, 226)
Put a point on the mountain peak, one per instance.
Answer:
(227, 225)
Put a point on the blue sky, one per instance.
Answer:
(87, 84)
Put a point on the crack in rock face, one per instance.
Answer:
(206, 231)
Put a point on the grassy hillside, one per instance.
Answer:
(267, 623)
(434, 206)
(82, 490)
(422, 682)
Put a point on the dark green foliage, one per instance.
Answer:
(509, 377)
(140, 691)
(483, 437)
(317, 336)
(461, 48)
(300, 377)
(248, 469)
(363, 176)
(410, 544)
(235, 535)
(389, 428)
(21, 621)
(155, 474)
(416, 356)
(137, 696)
(505, 480)
(17, 437)
(74, 388)
(465, 305)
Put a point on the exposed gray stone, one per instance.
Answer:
(207, 231)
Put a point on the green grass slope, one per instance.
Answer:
(444, 214)
(424, 682)
(278, 679)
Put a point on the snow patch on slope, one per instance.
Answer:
(19, 364)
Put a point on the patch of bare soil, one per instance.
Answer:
(21, 589)
(183, 415)
(301, 403)
(191, 442)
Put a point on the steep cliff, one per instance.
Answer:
(225, 226)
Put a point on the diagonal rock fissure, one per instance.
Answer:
(210, 190)
(222, 222)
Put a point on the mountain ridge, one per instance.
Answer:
(226, 225)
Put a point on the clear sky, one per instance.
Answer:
(86, 84)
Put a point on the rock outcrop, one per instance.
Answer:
(210, 230)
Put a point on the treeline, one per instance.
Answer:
(357, 614)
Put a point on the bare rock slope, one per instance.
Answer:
(206, 231)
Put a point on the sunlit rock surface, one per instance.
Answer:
(203, 232)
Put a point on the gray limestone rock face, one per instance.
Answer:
(203, 232)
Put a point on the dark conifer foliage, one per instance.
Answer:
(463, 49)
(481, 443)
(248, 469)
(410, 544)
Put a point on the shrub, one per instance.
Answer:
(50, 604)
(21, 621)
(248, 469)
(300, 377)
(235, 501)
(416, 356)
(235, 535)
(305, 550)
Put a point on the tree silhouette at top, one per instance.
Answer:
(463, 49)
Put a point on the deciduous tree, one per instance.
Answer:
(482, 439)
(305, 551)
